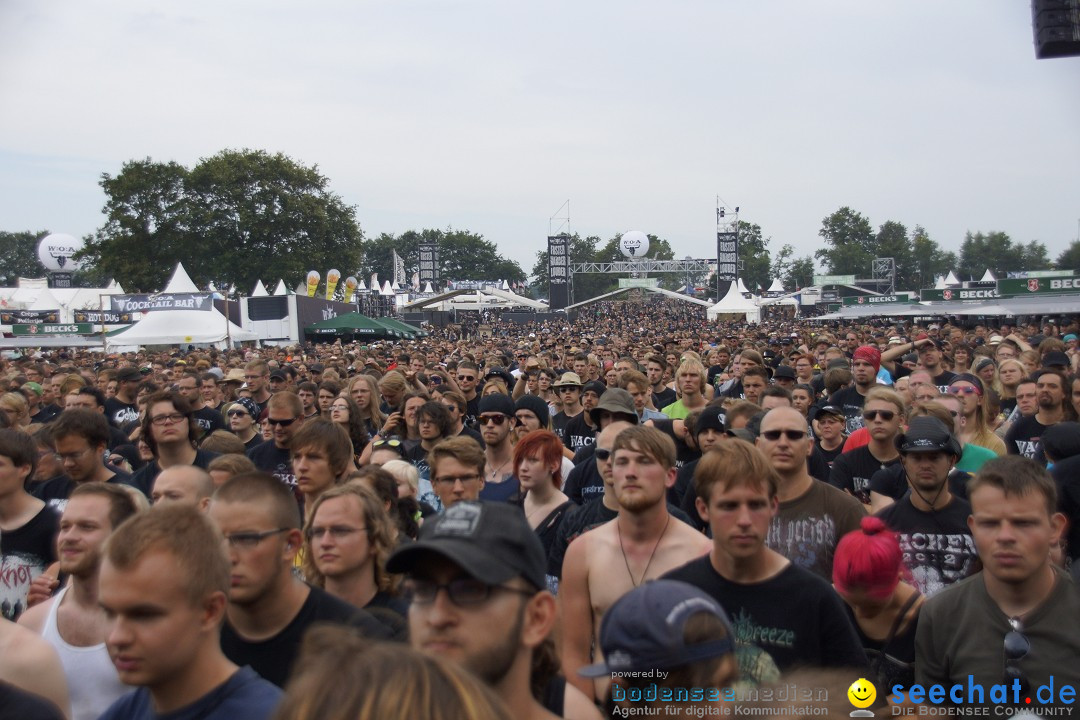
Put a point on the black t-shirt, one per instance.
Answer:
(119, 412)
(1024, 438)
(583, 484)
(579, 433)
(852, 471)
(684, 482)
(851, 401)
(56, 491)
(144, 477)
(558, 425)
(943, 380)
(1067, 475)
(469, 432)
(683, 452)
(255, 441)
(16, 704)
(208, 420)
(268, 457)
(25, 553)
(829, 456)
(45, 414)
(795, 616)
(273, 658)
(665, 397)
(472, 412)
(937, 546)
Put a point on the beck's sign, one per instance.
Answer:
(959, 294)
(48, 329)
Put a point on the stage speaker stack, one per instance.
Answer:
(1056, 24)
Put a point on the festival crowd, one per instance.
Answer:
(632, 512)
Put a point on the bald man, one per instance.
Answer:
(185, 484)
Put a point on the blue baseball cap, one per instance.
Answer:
(644, 629)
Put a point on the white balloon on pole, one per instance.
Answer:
(634, 244)
(55, 251)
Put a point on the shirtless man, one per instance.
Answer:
(640, 544)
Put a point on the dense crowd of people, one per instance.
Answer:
(627, 511)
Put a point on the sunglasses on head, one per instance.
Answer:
(497, 419)
(885, 415)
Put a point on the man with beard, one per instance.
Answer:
(73, 621)
(640, 544)
(1023, 437)
(931, 522)
(496, 422)
(476, 578)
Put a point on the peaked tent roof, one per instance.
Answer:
(280, 288)
(182, 327)
(988, 276)
(260, 290)
(741, 286)
(951, 279)
(180, 282)
(776, 286)
(734, 302)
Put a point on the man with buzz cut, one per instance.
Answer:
(163, 586)
(1007, 636)
(784, 610)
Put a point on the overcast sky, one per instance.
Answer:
(489, 114)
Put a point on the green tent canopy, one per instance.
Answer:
(410, 330)
(352, 324)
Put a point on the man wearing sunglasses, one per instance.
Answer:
(286, 414)
(468, 375)
(1014, 623)
(883, 415)
(812, 515)
(496, 427)
(476, 579)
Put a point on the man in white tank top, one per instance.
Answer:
(72, 621)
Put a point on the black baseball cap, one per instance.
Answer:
(489, 540)
(784, 371)
(644, 629)
(927, 434)
(1056, 357)
(831, 410)
(277, 375)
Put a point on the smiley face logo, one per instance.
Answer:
(862, 693)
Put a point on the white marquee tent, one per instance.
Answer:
(735, 304)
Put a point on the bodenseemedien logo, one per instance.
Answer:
(862, 694)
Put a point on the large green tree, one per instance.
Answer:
(18, 256)
(850, 243)
(463, 255)
(754, 255)
(234, 218)
(998, 252)
(930, 261)
(1069, 259)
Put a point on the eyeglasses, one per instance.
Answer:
(792, 435)
(965, 389)
(73, 456)
(1017, 647)
(466, 378)
(885, 415)
(170, 419)
(495, 419)
(337, 532)
(236, 413)
(462, 592)
(283, 422)
(339, 407)
(450, 480)
(602, 454)
(248, 541)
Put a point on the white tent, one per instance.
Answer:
(939, 283)
(735, 304)
(180, 282)
(44, 301)
(988, 276)
(776, 287)
(952, 279)
(182, 327)
(280, 288)
(260, 290)
(742, 287)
